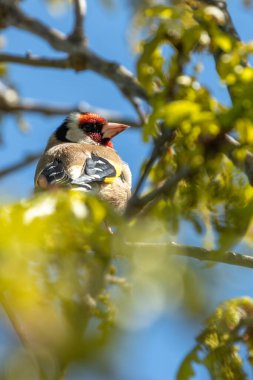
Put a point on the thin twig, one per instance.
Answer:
(26, 105)
(168, 185)
(137, 106)
(159, 146)
(33, 107)
(20, 165)
(80, 8)
(149, 200)
(199, 253)
(30, 60)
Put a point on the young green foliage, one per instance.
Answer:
(175, 34)
(59, 281)
(55, 257)
(219, 346)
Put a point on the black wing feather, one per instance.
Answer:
(96, 170)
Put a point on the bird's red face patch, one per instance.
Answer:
(95, 136)
(92, 124)
(91, 118)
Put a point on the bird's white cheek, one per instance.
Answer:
(75, 134)
(75, 172)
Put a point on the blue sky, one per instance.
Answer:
(154, 352)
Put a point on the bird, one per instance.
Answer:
(80, 155)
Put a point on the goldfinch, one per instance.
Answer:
(80, 155)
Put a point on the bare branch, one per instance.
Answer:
(33, 107)
(86, 60)
(161, 144)
(80, 7)
(20, 165)
(137, 106)
(31, 60)
(199, 253)
(26, 105)
(80, 57)
(10, 14)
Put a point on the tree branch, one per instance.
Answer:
(167, 187)
(11, 14)
(30, 60)
(80, 8)
(199, 253)
(136, 204)
(227, 26)
(31, 106)
(80, 57)
(20, 165)
(161, 144)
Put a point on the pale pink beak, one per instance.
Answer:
(110, 130)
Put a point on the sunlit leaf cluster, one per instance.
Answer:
(176, 36)
(67, 284)
(55, 259)
(221, 346)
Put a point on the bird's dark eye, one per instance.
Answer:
(92, 127)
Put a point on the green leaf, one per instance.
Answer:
(179, 110)
(162, 11)
(186, 371)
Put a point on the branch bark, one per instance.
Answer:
(31, 106)
(198, 253)
(31, 60)
(20, 165)
(80, 7)
(228, 26)
(144, 203)
(231, 144)
(160, 145)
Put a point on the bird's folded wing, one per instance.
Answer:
(53, 174)
(96, 169)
